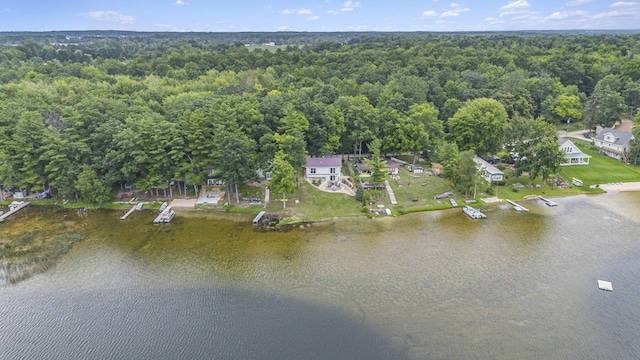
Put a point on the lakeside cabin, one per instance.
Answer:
(323, 168)
(488, 171)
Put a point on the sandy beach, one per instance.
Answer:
(629, 186)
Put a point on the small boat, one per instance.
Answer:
(163, 206)
(453, 202)
(165, 216)
(139, 206)
(444, 196)
(473, 212)
(576, 182)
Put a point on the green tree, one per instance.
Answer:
(90, 188)
(282, 177)
(379, 166)
(604, 107)
(233, 158)
(479, 126)
(465, 172)
(568, 107)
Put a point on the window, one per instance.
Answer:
(313, 170)
(332, 178)
(332, 170)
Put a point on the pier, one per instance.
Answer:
(126, 215)
(14, 208)
(517, 206)
(548, 202)
(258, 217)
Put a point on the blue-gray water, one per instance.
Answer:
(426, 286)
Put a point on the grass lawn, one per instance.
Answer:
(314, 204)
(418, 191)
(601, 169)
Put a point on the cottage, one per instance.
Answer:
(613, 143)
(323, 168)
(572, 155)
(488, 171)
(393, 166)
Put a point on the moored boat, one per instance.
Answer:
(473, 212)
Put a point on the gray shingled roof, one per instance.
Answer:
(324, 161)
(621, 136)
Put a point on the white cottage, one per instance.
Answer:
(614, 143)
(573, 155)
(323, 168)
(488, 171)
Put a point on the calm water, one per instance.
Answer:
(425, 286)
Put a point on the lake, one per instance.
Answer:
(432, 285)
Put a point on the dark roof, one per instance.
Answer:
(621, 136)
(324, 161)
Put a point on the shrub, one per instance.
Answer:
(365, 209)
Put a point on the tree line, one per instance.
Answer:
(87, 117)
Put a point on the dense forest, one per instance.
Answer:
(83, 114)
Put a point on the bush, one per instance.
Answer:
(360, 194)
(365, 209)
(515, 189)
(489, 190)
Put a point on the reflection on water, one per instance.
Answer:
(429, 285)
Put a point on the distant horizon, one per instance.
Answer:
(200, 16)
(321, 32)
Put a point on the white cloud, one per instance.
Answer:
(624, 4)
(449, 14)
(347, 6)
(578, 2)
(566, 15)
(284, 27)
(314, 18)
(454, 5)
(301, 11)
(429, 13)
(110, 16)
(519, 4)
(352, 4)
(180, 2)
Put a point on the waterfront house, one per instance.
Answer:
(572, 155)
(613, 143)
(488, 171)
(327, 168)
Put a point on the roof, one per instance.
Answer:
(622, 137)
(573, 155)
(335, 161)
(488, 167)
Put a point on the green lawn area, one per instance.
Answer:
(418, 191)
(601, 169)
(314, 204)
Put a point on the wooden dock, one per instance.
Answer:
(128, 212)
(548, 202)
(258, 217)
(517, 206)
(14, 209)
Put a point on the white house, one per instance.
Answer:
(488, 171)
(323, 168)
(572, 155)
(614, 143)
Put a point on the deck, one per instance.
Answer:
(14, 209)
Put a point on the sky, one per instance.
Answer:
(317, 15)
